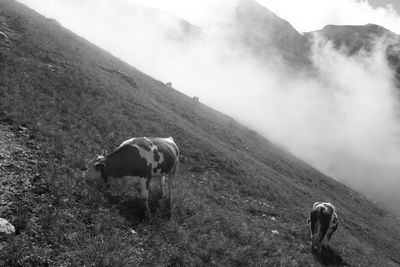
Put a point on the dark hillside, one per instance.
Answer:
(233, 187)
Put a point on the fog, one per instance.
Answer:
(343, 117)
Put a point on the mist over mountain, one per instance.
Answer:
(331, 96)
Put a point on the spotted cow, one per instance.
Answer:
(323, 223)
(135, 162)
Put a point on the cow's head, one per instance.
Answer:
(95, 168)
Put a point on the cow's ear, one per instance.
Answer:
(100, 166)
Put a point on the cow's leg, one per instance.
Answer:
(325, 241)
(130, 186)
(334, 228)
(162, 185)
(138, 187)
(144, 194)
(171, 176)
(316, 236)
(329, 235)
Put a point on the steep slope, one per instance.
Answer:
(234, 187)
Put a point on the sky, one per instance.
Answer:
(306, 15)
(341, 121)
(383, 3)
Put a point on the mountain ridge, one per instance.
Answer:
(254, 19)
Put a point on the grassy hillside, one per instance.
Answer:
(233, 188)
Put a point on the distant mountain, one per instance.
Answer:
(263, 31)
(267, 36)
(259, 31)
(354, 38)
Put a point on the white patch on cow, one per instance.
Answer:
(168, 139)
(149, 157)
(127, 142)
(161, 155)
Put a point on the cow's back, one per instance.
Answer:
(142, 156)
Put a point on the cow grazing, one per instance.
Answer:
(135, 162)
(323, 223)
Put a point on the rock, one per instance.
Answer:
(3, 35)
(33, 161)
(275, 232)
(64, 200)
(6, 228)
(133, 232)
(22, 129)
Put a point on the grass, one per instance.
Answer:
(233, 188)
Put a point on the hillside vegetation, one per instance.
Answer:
(233, 188)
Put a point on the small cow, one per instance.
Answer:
(136, 161)
(324, 222)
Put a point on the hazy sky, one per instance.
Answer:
(384, 3)
(305, 15)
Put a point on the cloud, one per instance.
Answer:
(361, 121)
(308, 15)
(305, 15)
(311, 15)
